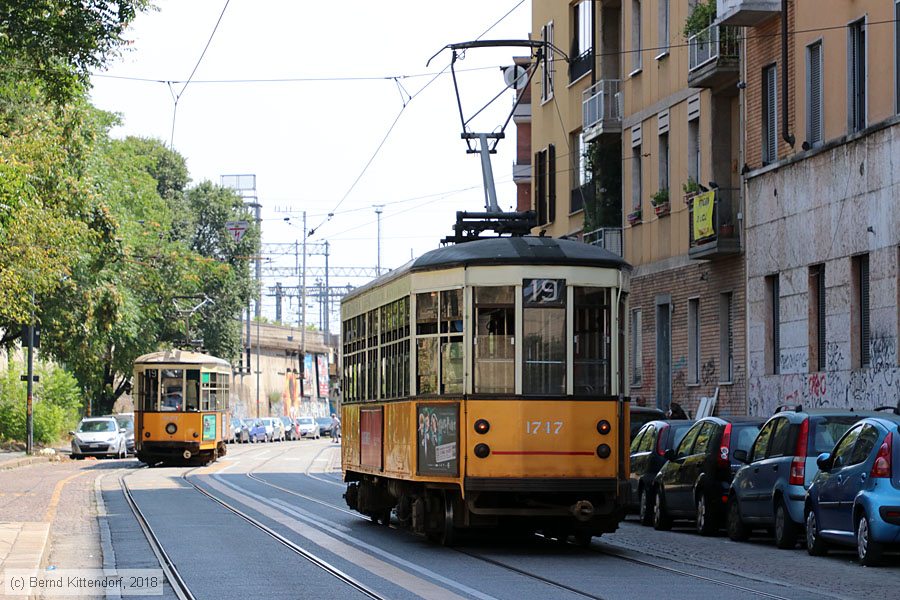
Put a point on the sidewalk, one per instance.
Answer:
(14, 460)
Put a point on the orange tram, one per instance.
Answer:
(181, 409)
(483, 388)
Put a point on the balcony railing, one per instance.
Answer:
(746, 13)
(521, 172)
(609, 238)
(580, 196)
(715, 230)
(601, 109)
(581, 65)
(713, 56)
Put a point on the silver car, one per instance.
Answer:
(99, 436)
(308, 428)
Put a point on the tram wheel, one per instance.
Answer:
(445, 533)
(583, 539)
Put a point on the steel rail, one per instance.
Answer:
(319, 562)
(168, 566)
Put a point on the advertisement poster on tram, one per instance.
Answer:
(438, 439)
(309, 376)
(322, 374)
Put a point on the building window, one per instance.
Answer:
(816, 318)
(859, 305)
(663, 27)
(636, 35)
(637, 344)
(856, 75)
(770, 115)
(726, 337)
(584, 177)
(636, 178)
(814, 108)
(664, 161)
(773, 325)
(693, 374)
(694, 150)
(551, 182)
(547, 62)
(582, 39)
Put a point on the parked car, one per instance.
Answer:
(324, 425)
(98, 436)
(274, 428)
(126, 421)
(770, 489)
(855, 497)
(240, 431)
(694, 482)
(290, 428)
(309, 427)
(648, 455)
(256, 431)
(641, 415)
(280, 434)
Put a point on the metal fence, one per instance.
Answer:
(609, 238)
(712, 43)
(601, 102)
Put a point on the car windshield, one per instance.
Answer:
(743, 436)
(324, 420)
(306, 421)
(825, 432)
(96, 426)
(125, 423)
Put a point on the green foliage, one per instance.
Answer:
(56, 404)
(690, 187)
(660, 197)
(604, 162)
(701, 17)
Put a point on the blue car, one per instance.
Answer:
(855, 498)
(256, 430)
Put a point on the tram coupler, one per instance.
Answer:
(187, 455)
(582, 510)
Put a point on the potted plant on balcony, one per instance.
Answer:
(660, 202)
(701, 17)
(634, 217)
(726, 230)
(690, 188)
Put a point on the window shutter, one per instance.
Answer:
(540, 187)
(820, 292)
(864, 310)
(770, 149)
(551, 183)
(776, 325)
(814, 109)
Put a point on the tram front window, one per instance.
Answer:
(544, 333)
(592, 343)
(172, 386)
(495, 309)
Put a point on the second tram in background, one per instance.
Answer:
(181, 407)
(483, 387)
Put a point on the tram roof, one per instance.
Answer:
(522, 250)
(181, 356)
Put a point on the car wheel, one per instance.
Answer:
(737, 530)
(706, 519)
(869, 551)
(815, 545)
(785, 529)
(661, 520)
(645, 507)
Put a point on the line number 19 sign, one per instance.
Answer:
(543, 292)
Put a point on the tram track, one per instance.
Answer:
(606, 551)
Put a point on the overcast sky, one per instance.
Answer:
(354, 65)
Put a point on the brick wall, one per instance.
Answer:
(706, 281)
(764, 48)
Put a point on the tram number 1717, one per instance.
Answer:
(547, 427)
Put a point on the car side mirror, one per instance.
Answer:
(825, 461)
(122, 430)
(740, 456)
(670, 454)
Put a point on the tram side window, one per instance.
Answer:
(452, 342)
(192, 391)
(148, 392)
(494, 340)
(544, 333)
(592, 341)
(172, 387)
(213, 391)
(427, 348)
(395, 349)
(439, 343)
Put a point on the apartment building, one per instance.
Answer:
(822, 217)
(635, 127)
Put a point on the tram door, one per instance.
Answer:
(663, 355)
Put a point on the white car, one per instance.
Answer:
(274, 429)
(99, 436)
(308, 427)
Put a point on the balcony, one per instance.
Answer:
(581, 196)
(521, 172)
(715, 230)
(608, 238)
(581, 65)
(601, 109)
(746, 13)
(713, 58)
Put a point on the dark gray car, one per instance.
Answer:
(648, 455)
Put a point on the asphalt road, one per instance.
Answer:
(285, 487)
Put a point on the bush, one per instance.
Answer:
(57, 403)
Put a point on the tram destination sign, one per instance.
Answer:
(538, 293)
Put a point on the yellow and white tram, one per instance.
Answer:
(181, 407)
(482, 386)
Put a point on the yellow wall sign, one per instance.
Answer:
(703, 215)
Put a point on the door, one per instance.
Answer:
(747, 482)
(853, 476)
(672, 471)
(641, 454)
(663, 355)
(775, 465)
(695, 465)
(829, 483)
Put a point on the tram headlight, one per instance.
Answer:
(171, 428)
(482, 450)
(603, 427)
(482, 426)
(603, 451)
